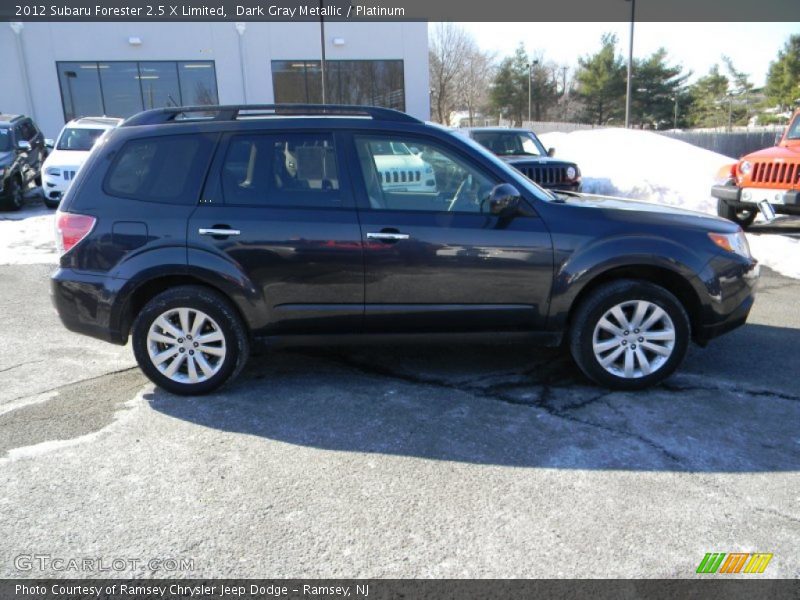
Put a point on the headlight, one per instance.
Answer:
(732, 242)
(572, 172)
(745, 167)
(56, 172)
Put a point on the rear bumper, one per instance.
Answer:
(85, 303)
(730, 284)
(732, 196)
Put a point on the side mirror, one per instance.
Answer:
(778, 137)
(24, 145)
(416, 151)
(551, 152)
(504, 200)
(49, 143)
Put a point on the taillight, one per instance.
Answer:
(71, 229)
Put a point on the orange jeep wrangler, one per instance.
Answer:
(771, 175)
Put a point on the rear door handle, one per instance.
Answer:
(215, 231)
(387, 237)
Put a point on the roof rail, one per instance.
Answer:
(232, 112)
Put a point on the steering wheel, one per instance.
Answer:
(461, 196)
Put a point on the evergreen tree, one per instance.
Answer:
(708, 98)
(509, 95)
(656, 84)
(601, 83)
(783, 78)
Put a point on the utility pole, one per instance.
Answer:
(675, 118)
(322, 47)
(530, 81)
(630, 68)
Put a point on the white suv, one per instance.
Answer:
(71, 149)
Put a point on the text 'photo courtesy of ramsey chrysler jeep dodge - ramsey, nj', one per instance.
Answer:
(198, 231)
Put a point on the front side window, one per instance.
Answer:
(289, 170)
(168, 169)
(82, 140)
(429, 177)
(5, 139)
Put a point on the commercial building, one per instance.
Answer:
(57, 71)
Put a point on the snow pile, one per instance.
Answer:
(653, 168)
(27, 237)
(643, 165)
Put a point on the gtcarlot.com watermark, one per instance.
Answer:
(94, 564)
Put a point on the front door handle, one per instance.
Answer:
(387, 237)
(218, 231)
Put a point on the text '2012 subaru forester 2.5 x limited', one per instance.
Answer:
(197, 230)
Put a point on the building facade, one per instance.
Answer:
(58, 71)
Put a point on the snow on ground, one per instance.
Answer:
(653, 168)
(27, 236)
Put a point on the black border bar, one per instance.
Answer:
(404, 10)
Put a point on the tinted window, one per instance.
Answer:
(121, 95)
(282, 170)
(78, 139)
(80, 89)
(429, 177)
(509, 143)
(121, 89)
(164, 169)
(373, 82)
(5, 139)
(198, 83)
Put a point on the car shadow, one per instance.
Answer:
(505, 405)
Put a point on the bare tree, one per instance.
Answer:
(448, 46)
(475, 79)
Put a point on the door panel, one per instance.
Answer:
(434, 259)
(289, 226)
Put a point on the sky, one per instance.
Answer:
(697, 46)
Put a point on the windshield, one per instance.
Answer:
(510, 143)
(78, 139)
(794, 129)
(5, 139)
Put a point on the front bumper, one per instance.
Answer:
(52, 188)
(730, 283)
(732, 196)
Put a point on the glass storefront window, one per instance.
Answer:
(371, 82)
(121, 89)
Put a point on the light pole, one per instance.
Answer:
(241, 27)
(322, 48)
(630, 68)
(675, 117)
(530, 80)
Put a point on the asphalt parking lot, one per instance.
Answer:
(467, 461)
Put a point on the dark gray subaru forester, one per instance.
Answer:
(197, 230)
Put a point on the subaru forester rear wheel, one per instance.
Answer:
(189, 340)
(629, 334)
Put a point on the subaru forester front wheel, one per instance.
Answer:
(629, 334)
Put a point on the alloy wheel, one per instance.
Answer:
(633, 339)
(186, 345)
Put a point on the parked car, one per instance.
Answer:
(400, 169)
(771, 175)
(522, 149)
(22, 152)
(194, 236)
(70, 151)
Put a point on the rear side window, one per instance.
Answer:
(289, 170)
(168, 169)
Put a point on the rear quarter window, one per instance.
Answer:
(167, 169)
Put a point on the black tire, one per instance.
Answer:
(53, 204)
(743, 218)
(196, 298)
(13, 196)
(598, 303)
